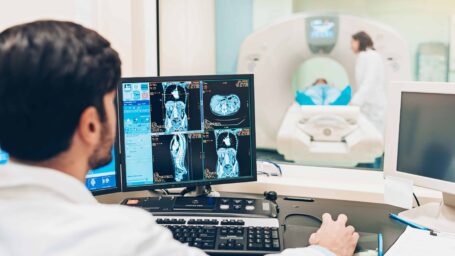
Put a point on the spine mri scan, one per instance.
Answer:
(227, 105)
(175, 100)
(226, 149)
(178, 148)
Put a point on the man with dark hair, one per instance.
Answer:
(57, 121)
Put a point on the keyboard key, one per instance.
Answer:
(249, 208)
(224, 207)
(238, 246)
(224, 201)
(255, 246)
(275, 244)
(208, 245)
(274, 234)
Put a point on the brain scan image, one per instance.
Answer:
(227, 165)
(175, 100)
(178, 147)
(227, 105)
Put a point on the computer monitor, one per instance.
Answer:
(100, 181)
(106, 179)
(187, 131)
(420, 145)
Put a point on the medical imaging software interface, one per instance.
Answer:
(95, 180)
(186, 131)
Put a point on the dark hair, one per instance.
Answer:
(320, 80)
(50, 72)
(364, 40)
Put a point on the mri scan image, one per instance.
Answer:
(178, 149)
(227, 165)
(175, 100)
(225, 105)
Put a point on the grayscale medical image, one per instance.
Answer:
(175, 106)
(177, 157)
(226, 104)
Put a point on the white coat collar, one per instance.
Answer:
(17, 177)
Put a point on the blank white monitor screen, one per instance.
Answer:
(426, 144)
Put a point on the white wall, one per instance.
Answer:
(266, 12)
(187, 37)
(129, 25)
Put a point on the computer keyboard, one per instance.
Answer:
(219, 235)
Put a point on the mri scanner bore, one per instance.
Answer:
(319, 133)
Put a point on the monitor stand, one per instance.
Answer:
(200, 191)
(436, 216)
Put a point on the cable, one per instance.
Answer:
(417, 200)
(302, 215)
(277, 167)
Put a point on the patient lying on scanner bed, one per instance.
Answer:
(321, 129)
(320, 93)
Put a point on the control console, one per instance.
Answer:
(207, 206)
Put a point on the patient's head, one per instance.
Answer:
(57, 93)
(320, 81)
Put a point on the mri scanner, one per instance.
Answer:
(329, 135)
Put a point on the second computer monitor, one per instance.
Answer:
(187, 131)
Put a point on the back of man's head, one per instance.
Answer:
(50, 72)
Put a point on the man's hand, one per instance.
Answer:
(335, 236)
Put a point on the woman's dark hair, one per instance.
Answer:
(364, 40)
(50, 72)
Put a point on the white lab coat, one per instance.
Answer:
(44, 212)
(371, 87)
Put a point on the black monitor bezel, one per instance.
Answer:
(125, 187)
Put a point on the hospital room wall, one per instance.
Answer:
(187, 37)
(250, 15)
(129, 25)
(418, 21)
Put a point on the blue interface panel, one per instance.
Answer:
(3, 157)
(181, 132)
(322, 28)
(99, 179)
(102, 178)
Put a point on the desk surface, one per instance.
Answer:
(365, 217)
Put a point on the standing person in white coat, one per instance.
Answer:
(370, 79)
(58, 120)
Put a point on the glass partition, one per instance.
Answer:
(320, 85)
